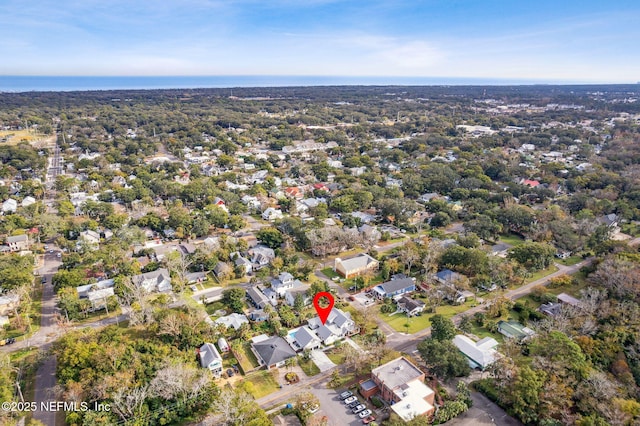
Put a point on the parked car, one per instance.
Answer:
(353, 404)
(358, 408)
(364, 414)
(350, 399)
(346, 394)
(368, 420)
(229, 372)
(44, 280)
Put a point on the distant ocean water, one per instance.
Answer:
(69, 83)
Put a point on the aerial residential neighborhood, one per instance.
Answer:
(480, 244)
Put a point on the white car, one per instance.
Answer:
(350, 400)
(364, 413)
(358, 409)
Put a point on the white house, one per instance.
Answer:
(9, 206)
(156, 281)
(338, 325)
(18, 242)
(233, 320)
(284, 283)
(90, 239)
(272, 214)
(479, 354)
(210, 358)
(261, 256)
(28, 200)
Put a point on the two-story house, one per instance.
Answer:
(210, 358)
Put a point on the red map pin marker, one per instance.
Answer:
(323, 312)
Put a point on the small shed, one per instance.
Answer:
(223, 345)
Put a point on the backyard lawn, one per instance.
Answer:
(246, 358)
(512, 239)
(399, 321)
(263, 383)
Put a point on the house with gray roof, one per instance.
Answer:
(299, 291)
(338, 325)
(514, 330)
(261, 256)
(257, 297)
(284, 283)
(155, 281)
(271, 352)
(233, 320)
(355, 266)
(410, 306)
(395, 288)
(303, 338)
(18, 242)
(210, 358)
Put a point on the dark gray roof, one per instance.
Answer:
(368, 385)
(395, 285)
(257, 297)
(410, 304)
(303, 336)
(274, 350)
(324, 332)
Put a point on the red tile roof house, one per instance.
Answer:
(294, 192)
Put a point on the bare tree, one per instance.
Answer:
(179, 264)
(232, 406)
(135, 299)
(128, 402)
(179, 381)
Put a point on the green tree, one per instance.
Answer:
(442, 328)
(234, 298)
(272, 237)
(443, 358)
(533, 255)
(525, 394)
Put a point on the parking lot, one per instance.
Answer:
(332, 407)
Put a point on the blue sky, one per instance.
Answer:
(554, 41)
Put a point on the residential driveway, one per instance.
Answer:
(330, 406)
(321, 360)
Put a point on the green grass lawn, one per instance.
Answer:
(329, 272)
(246, 358)
(308, 366)
(399, 321)
(263, 383)
(541, 274)
(336, 356)
(570, 261)
(512, 239)
(215, 306)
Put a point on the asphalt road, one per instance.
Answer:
(46, 374)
